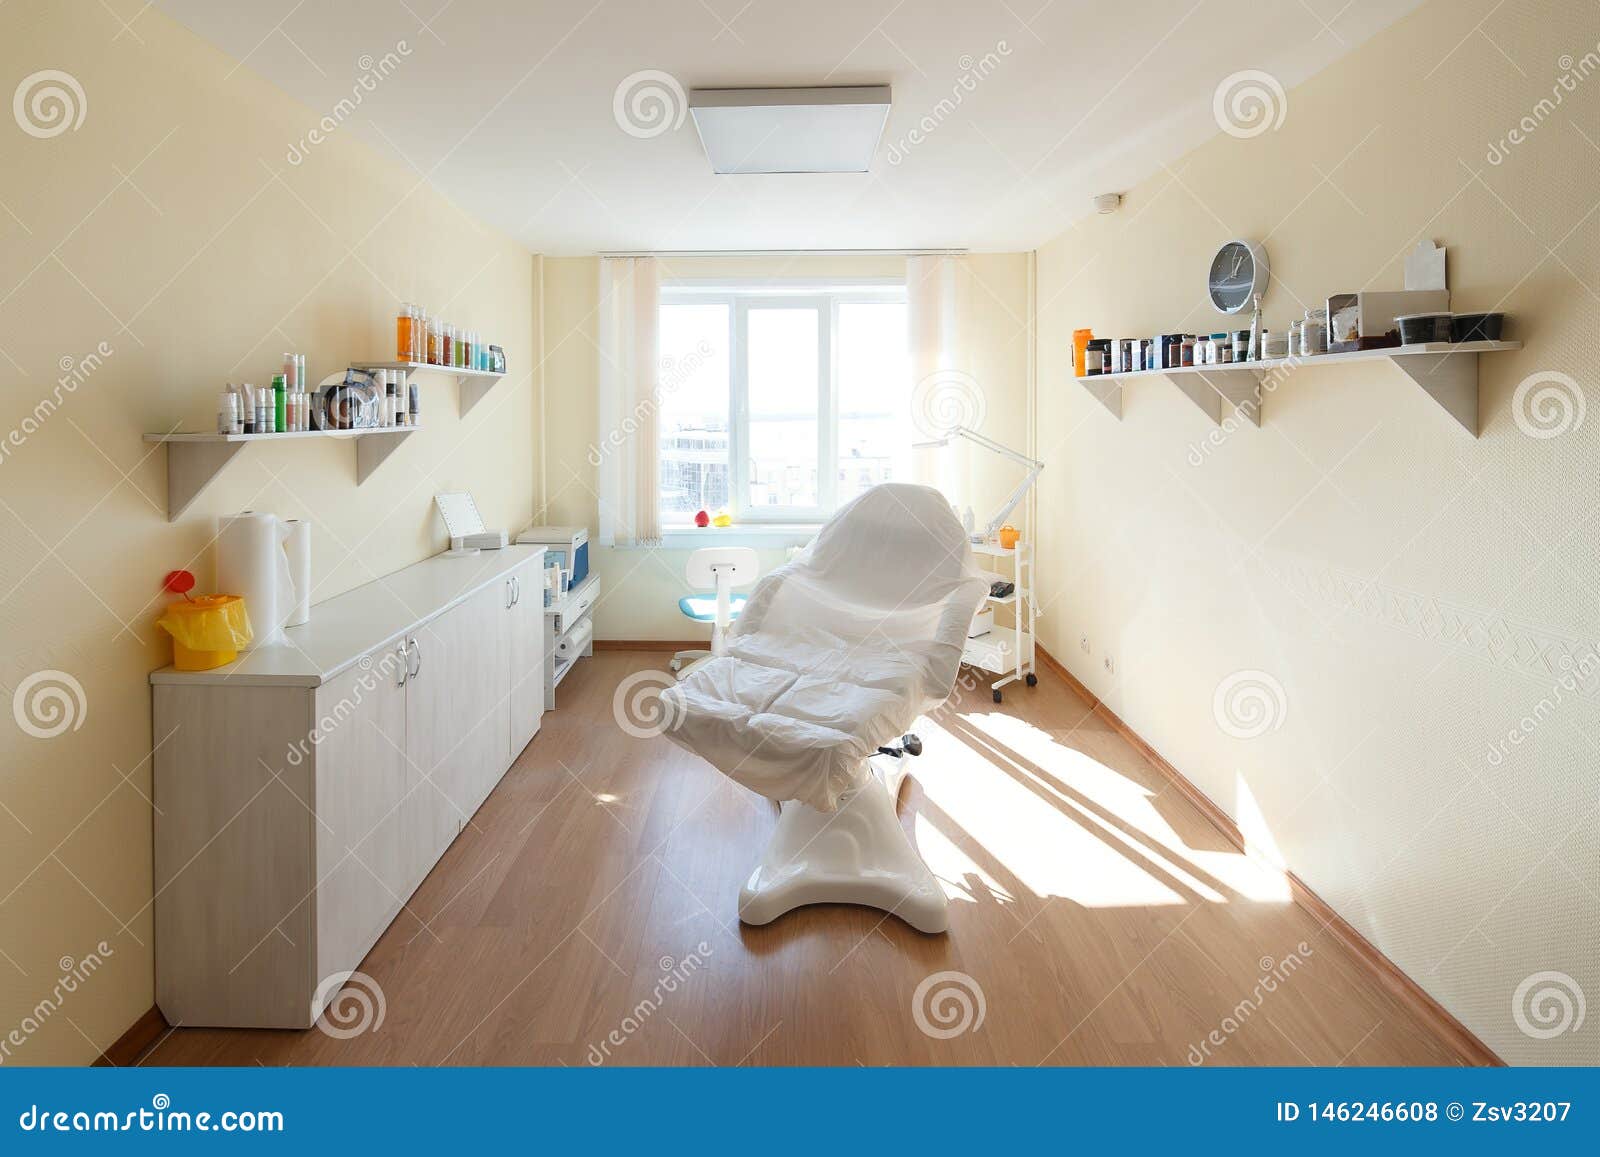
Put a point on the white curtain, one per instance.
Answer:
(941, 394)
(629, 435)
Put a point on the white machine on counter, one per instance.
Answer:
(464, 525)
(568, 544)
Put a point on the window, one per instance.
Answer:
(780, 406)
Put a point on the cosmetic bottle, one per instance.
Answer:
(280, 404)
(402, 331)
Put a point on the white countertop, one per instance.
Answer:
(360, 621)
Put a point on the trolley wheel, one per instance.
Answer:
(997, 696)
(1033, 680)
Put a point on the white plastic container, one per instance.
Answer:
(1314, 333)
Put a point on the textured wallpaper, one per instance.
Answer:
(1359, 628)
(169, 224)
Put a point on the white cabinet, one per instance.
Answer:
(303, 793)
(456, 712)
(368, 838)
(525, 638)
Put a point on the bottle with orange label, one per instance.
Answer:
(403, 322)
(1080, 345)
(435, 342)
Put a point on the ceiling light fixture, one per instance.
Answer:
(790, 130)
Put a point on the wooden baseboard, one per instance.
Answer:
(650, 645)
(1455, 1035)
(130, 1046)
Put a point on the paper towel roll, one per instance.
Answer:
(298, 548)
(571, 645)
(251, 563)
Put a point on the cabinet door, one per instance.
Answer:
(364, 788)
(457, 715)
(526, 638)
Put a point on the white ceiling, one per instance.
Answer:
(508, 107)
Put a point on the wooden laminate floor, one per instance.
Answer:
(587, 916)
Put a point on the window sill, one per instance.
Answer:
(771, 536)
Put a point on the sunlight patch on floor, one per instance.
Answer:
(1046, 851)
(958, 873)
(1259, 845)
(1061, 846)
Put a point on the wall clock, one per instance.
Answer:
(1238, 272)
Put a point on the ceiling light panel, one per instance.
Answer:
(790, 130)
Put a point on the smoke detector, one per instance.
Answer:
(1107, 202)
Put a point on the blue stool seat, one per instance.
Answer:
(703, 608)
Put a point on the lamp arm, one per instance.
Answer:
(1034, 467)
(996, 447)
(1004, 512)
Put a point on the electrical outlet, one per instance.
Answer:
(1111, 665)
(1083, 643)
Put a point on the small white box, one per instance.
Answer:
(995, 651)
(1376, 311)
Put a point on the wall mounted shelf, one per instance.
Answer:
(193, 460)
(471, 385)
(1447, 371)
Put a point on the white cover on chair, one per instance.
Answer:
(837, 652)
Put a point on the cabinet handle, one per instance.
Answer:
(405, 663)
(509, 599)
(416, 647)
(516, 590)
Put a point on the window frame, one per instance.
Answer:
(741, 295)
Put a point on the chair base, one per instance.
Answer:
(858, 854)
(683, 660)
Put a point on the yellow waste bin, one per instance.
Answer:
(206, 631)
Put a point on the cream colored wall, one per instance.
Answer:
(642, 587)
(170, 227)
(1415, 593)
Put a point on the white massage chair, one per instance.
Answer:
(832, 660)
